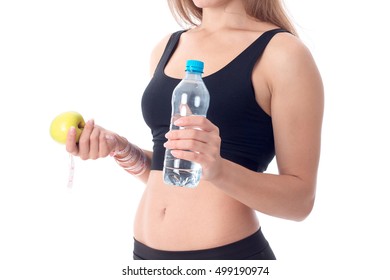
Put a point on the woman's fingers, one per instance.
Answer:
(186, 144)
(107, 144)
(196, 128)
(187, 134)
(199, 141)
(84, 142)
(196, 121)
(71, 145)
(95, 142)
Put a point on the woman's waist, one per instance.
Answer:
(177, 218)
(205, 199)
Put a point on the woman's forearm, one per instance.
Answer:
(284, 196)
(145, 176)
(132, 159)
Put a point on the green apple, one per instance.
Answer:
(63, 122)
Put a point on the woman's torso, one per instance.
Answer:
(174, 218)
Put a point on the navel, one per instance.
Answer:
(163, 212)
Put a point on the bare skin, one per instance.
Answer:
(222, 209)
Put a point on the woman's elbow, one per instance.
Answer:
(304, 209)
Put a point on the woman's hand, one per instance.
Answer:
(199, 141)
(95, 142)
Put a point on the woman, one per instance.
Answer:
(266, 100)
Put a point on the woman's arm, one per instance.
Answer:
(296, 109)
(96, 142)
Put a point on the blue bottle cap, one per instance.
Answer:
(194, 66)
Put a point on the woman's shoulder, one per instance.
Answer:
(285, 45)
(288, 67)
(287, 52)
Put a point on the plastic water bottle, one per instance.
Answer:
(190, 97)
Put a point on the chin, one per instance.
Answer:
(209, 3)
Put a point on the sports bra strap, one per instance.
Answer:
(169, 50)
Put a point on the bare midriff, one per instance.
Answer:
(176, 219)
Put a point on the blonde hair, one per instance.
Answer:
(271, 11)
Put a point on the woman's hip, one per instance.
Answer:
(253, 247)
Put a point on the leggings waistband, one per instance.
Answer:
(254, 246)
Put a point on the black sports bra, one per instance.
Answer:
(245, 129)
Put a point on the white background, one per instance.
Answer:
(92, 57)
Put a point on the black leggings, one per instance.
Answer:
(254, 247)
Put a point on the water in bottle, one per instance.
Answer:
(190, 97)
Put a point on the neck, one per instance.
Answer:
(231, 16)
